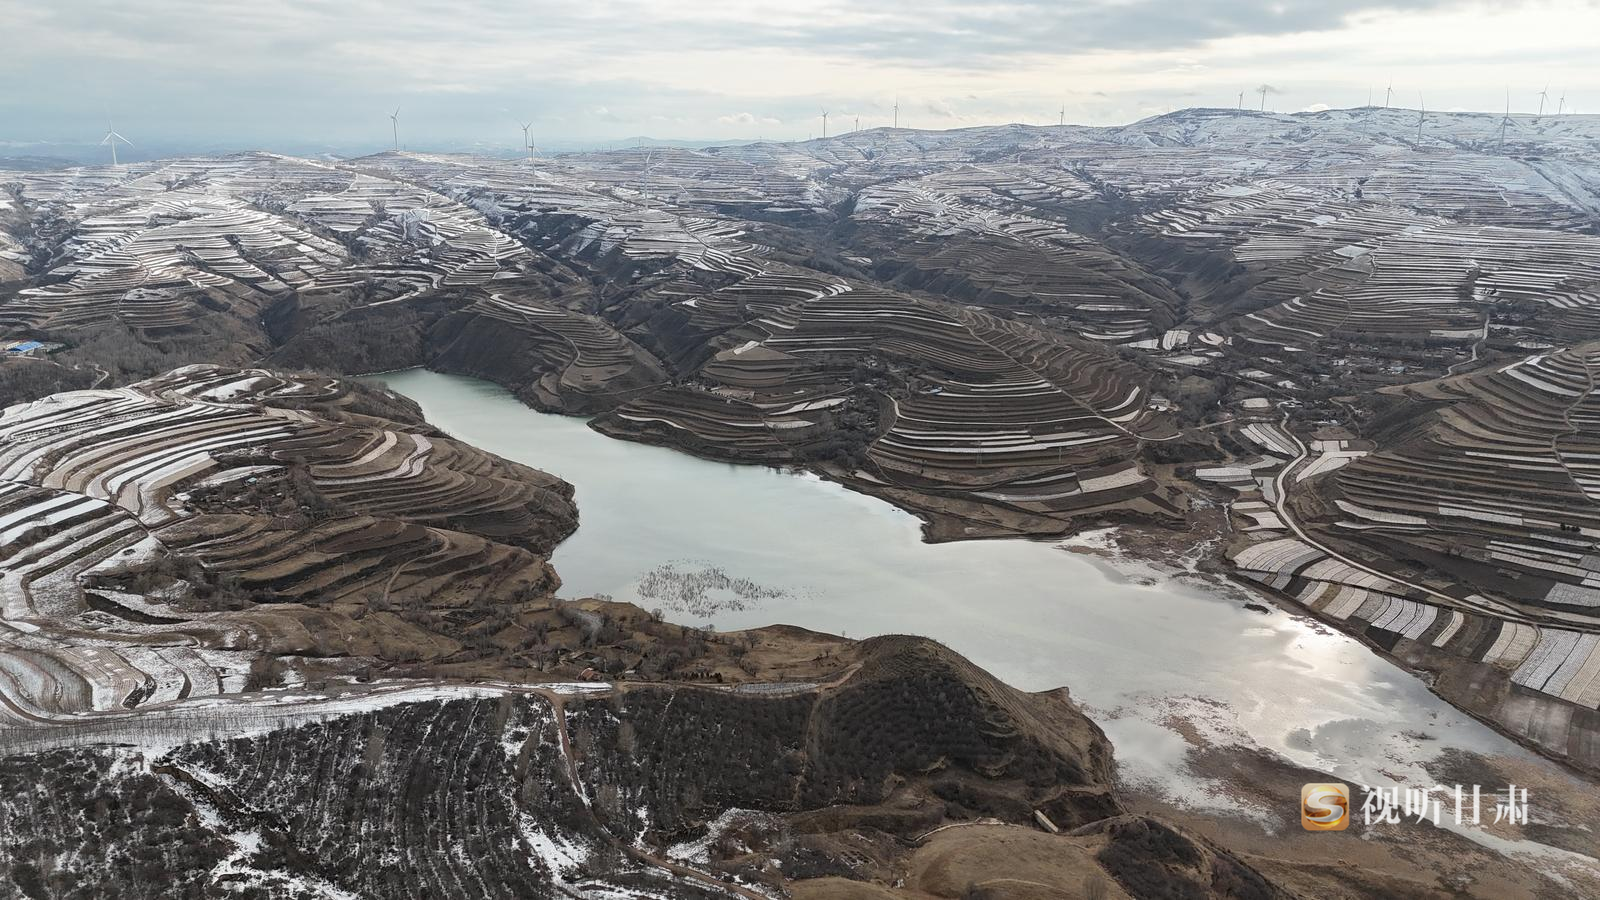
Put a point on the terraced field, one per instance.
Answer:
(565, 360)
(1372, 343)
(1341, 272)
(1462, 544)
(616, 209)
(185, 252)
(975, 233)
(984, 424)
(160, 540)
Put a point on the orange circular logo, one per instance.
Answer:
(1325, 807)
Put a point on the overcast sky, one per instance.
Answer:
(280, 73)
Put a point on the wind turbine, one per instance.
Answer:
(1505, 121)
(1241, 101)
(527, 139)
(394, 120)
(1063, 121)
(1263, 92)
(1388, 93)
(1563, 104)
(1542, 95)
(824, 124)
(1422, 113)
(897, 112)
(111, 139)
(858, 123)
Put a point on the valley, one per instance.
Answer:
(1293, 380)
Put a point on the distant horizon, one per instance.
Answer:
(88, 152)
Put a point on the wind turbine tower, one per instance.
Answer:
(394, 121)
(1505, 121)
(1388, 93)
(1562, 104)
(897, 112)
(527, 139)
(1422, 113)
(1263, 92)
(1063, 120)
(1542, 95)
(112, 139)
(824, 124)
(1241, 101)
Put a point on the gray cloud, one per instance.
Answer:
(980, 35)
(271, 70)
(901, 30)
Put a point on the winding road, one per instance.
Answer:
(1280, 503)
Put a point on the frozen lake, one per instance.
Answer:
(813, 554)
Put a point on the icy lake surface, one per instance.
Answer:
(769, 547)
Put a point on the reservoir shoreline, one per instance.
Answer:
(1169, 669)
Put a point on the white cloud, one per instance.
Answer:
(745, 118)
